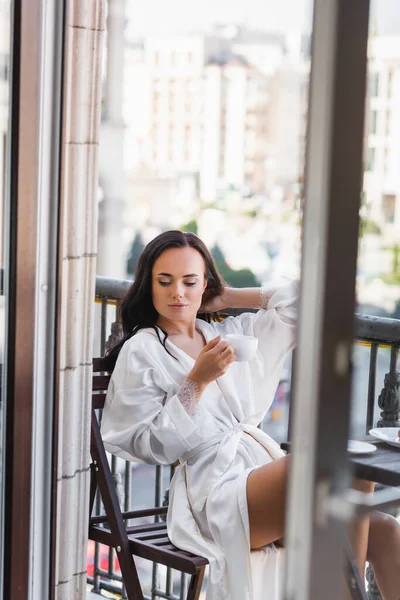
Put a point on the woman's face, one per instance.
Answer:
(178, 283)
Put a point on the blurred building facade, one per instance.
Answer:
(218, 108)
(382, 176)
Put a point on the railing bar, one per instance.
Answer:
(115, 577)
(111, 556)
(371, 386)
(161, 594)
(155, 581)
(128, 481)
(158, 489)
(184, 586)
(96, 558)
(170, 581)
(157, 502)
(111, 553)
(109, 587)
(393, 358)
(103, 331)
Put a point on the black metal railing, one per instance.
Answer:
(139, 486)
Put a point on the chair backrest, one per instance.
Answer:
(102, 478)
(100, 381)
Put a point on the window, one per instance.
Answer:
(388, 207)
(388, 123)
(390, 82)
(370, 166)
(374, 85)
(373, 121)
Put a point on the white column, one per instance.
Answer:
(78, 229)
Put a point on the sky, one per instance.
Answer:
(165, 16)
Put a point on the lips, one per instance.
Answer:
(177, 305)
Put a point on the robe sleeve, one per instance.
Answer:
(140, 422)
(274, 325)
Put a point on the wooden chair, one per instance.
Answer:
(150, 540)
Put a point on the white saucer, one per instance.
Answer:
(390, 435)
(355, 447)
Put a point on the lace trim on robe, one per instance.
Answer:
(187, 397)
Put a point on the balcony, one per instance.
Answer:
(376, 402)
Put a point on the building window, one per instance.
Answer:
(373, 122)
(390, 82)
(388, 123)
(388, 207)
(370, 166)
(374, 85)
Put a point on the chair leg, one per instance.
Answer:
(196, 581)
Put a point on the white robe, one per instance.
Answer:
(144, 420)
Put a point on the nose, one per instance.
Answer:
(178, 291)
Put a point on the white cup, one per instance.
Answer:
(245, 346)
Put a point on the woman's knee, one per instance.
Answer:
(384, 537)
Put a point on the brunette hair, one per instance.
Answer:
(137, 308)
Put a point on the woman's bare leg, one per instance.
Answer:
(359, 534)
(384, 554)
(266, 489)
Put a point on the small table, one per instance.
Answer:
(382, 466)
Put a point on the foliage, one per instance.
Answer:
(394, 277)
(396, 312)
(134, 253)
(239, 278)
(369, 226)
(190, 227)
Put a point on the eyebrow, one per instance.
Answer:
(169, 275)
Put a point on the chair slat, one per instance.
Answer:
(100, 382)
(98, 400)
(136, 529)
(151, 536)
(99, 365)
(167, 555)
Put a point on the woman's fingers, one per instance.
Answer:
(227, 356)
(212, 343)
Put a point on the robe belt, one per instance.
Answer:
(228, 442)
(220, 438)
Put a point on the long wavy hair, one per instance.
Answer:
(137, 308)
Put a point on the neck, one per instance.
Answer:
(177, 327)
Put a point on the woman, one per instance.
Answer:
(176, 393)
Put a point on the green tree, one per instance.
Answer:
(239, 278)
(395, 260)
(369, 226)
(190, 227)
(396, 312)
(134, 253)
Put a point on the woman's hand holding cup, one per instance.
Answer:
(212, 362)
